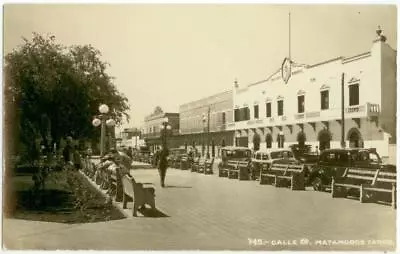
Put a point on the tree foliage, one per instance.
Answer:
(53, 91)
(157, 110)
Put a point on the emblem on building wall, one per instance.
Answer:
(286, 70)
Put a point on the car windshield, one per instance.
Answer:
(237, 153)
(261, 156)
(281, 154)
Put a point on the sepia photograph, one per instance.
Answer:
(188, 126)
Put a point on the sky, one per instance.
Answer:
(170, 54)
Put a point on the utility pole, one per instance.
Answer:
(342, 142)
(208, 133)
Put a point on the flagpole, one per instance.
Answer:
(290, 57)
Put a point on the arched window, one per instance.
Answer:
(256, 142)
(324, 138)
(301, 139)
(280, 138)
(355, 138)
(268, 140)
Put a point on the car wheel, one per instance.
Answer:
(317, 184)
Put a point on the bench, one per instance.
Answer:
(278, 174)
(201, 166)
(184, 163)
(176, 162)
(140, 193)
(255, 171)
(208, 166)
(240, 171)
(351, 180)
(195, 164)
(115, 183)
(385, 182)
(365, 181)
(223, 168)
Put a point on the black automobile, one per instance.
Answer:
(303, 154)
(234, 153)
(333, 163)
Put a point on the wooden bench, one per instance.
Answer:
(195, 164)
(184, 163)
(201, 166)
(278, 174)
(223, 170)
(240, 171)
(115, 182)
(177, 163)
(255, 171)
(294, 176)
(384, 183)
(208, 166)
(351, 180)
(140, 193)
(364, 182)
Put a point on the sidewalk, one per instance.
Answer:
(211, 213)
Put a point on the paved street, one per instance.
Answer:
(210, 213)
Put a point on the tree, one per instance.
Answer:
(256, 141)
(157, 110)
(52, 91)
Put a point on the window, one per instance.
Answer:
(374, 158)
(353, 94)
(300, 104)
(237, 115)
(246, 113)
(280, 108)
(255, 111)
(223, 118)
(325, 99)
(280, 139)
(268, 109)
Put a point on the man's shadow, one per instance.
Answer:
(177, 186)
(152, 213)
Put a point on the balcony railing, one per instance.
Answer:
(358, 111)
(313, 114)
(299, 116)
(356, 108)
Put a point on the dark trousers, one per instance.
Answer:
(162, 171)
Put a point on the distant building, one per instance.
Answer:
(130, 137)
(302, 103)
(151, 131)
(204, 122)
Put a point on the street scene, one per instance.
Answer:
(259, 128)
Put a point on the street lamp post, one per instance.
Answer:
(164, 127)
(104, 120)
(280, 143)
(207, 119)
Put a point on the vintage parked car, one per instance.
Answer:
(236, 153)
(333, 163)
(266, 158)
(304, 155)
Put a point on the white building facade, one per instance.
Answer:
(308, 107)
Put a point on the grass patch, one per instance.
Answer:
(68, 197)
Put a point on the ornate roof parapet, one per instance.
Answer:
(380, 36)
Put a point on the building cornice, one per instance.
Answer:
(205, 98)
(356, 57)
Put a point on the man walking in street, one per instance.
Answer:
(163, 165)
